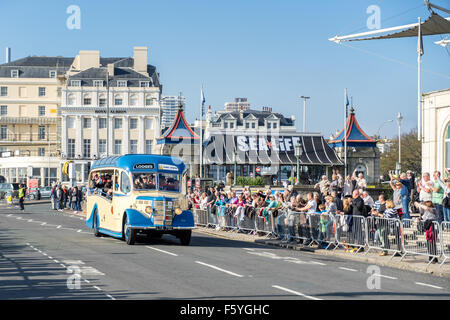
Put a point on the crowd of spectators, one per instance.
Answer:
(333, 199)
(63, 197)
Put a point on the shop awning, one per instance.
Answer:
(268, 150)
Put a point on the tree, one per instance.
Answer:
(411, 154)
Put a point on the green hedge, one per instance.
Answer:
(247, 181)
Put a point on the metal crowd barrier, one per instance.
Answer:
(200, 217)
(384, 234)
(445, 241)
(415, 241)
(322, 229)
(350, 230)
(264, 224)
(406, 236)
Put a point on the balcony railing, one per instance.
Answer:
(29, 120)
(33, 138)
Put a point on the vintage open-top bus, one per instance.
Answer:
(138, 193)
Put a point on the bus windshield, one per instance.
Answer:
(144, 181)
(169, 182)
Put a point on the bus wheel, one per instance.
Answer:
(128, 233)
(185, 237)
(96, 224)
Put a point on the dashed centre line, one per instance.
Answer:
(219, 269)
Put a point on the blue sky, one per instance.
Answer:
(271, 52)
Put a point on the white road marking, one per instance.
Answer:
(287, 259)
(428, 285)
(348, 269)
(383, 276)
(296, 293)
(73, 262)
(167, 252)
(219, 269)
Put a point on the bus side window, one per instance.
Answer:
(125, 185)
(116, 180)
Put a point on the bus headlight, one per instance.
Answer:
(178, 211)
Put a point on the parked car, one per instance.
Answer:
(13, 188)
(39, 193)
(45, 192)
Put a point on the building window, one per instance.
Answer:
(118, 100)
(71, 148)
(247, 125)
(121, 83)
(274, 125)
(87, 148)
(41, 152)
(75, 83)
(14, 73)
(225, 125)
(4, 132)
(144, 84)
(71, 99)
(98, 83)
(118, 147)
(148, 124)
(231, 125)
(102, 123)
(148, 101)
(52, 74)
(133, 100)
(41, 132)
(447, 145)
(4, 110)
(118, 123)
(41, 91)
(102, 100)
(253, 125)
(87, 100)
(41, 111)
(148, 146)
(102, 146)
(133, 123)
(268, 125)
(70, 122)
(133, 146)
(86, 123)
(3, 91)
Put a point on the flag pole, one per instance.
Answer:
(201, 132)
(419, 109)
(345, 133)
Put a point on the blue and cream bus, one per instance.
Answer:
(138, 193)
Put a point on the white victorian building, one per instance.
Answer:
(436, 131)
(110, 106)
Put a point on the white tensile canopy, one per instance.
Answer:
(434, 25)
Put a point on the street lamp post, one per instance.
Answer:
(378, 132)
(298, 153)
(399, 121)
(235, 165)
(304, 111)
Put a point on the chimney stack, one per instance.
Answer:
(140, 59)
(8, 54)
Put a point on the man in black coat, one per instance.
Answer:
(357, 204)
